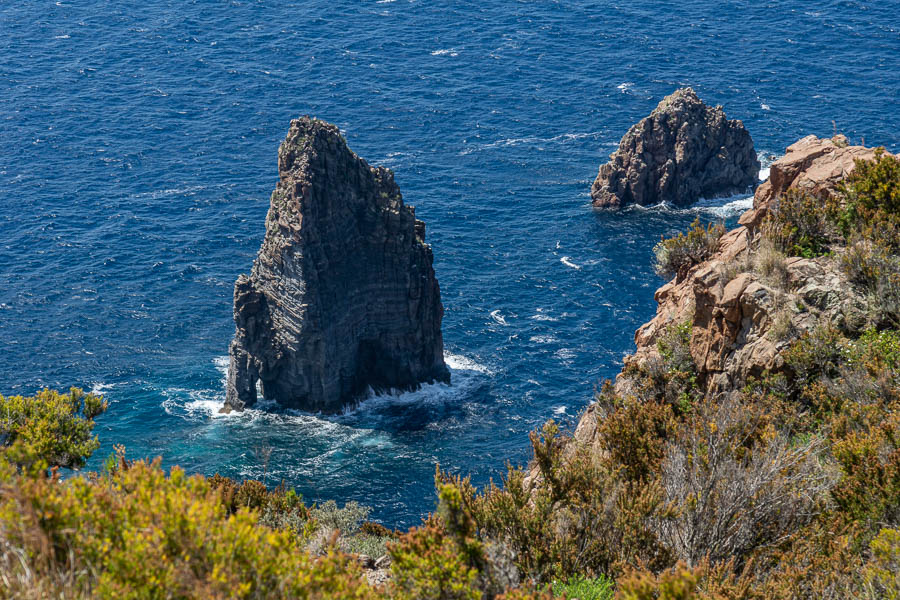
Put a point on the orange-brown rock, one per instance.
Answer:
(742, 321)
(812, 164)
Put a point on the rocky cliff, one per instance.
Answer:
(342, 297)
(683, 151)
(747, 303)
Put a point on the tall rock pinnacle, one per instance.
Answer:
(342, 296)
(684, 151)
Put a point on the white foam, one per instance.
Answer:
(724, 207)
(559, 410)
(496, 316)
(564, 354)
(764, 173)
(568, 262)
(542, 339)
(556, 139)
(157, 194)
(765, 107)
(457, 362)
(446, 52)
(624, 87)
(540, 315)
(221, 363)
(465, 375)
(101, 388)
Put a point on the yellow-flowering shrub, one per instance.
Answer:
(49, 429)
(138, 532)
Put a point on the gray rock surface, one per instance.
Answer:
(342, 296)
(684, 151)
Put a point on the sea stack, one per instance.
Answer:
(684, 151)
(342, 297)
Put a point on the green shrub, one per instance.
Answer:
(797, 225)
(675, 256)
(49, 429)
(875, 267)
(671, 377)
(679, 583)
(869, 202)
(580, 588)
(427, 564)
(140, 533)
(882, 573)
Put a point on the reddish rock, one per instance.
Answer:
(812, 164)
(733, 309)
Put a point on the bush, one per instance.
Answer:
(770, 263)
(873, 266)
(675, 256)
(671, 377)
(428, 564)
(882, 574)
(869, 202)
(737, 483)
(138, 533)
(678, 583)
(348, 523)
(797, 225)
(600, 588)
(49, 429)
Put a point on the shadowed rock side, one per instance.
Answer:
(684, 151)
(342, 296)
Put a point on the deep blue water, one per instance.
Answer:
(139, 151)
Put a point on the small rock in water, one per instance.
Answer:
(684, 151)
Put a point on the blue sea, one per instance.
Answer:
(138, 151)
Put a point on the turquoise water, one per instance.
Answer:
(139, 151)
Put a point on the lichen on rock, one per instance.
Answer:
(683, 151)
(342, 297)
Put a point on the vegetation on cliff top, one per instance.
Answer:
(788, 487)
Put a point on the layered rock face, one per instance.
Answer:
(342, 296)
(684, 151)
(735, 311)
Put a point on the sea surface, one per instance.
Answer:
(138, 151)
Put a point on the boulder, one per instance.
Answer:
(684, 151)
(342, 297)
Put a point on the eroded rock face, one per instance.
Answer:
(684, 151)
(342, 296)
(812, 164)
(742, 320)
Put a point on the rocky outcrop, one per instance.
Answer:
(745, 312)
(814, 165)
(684, 151)
(342, 297)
